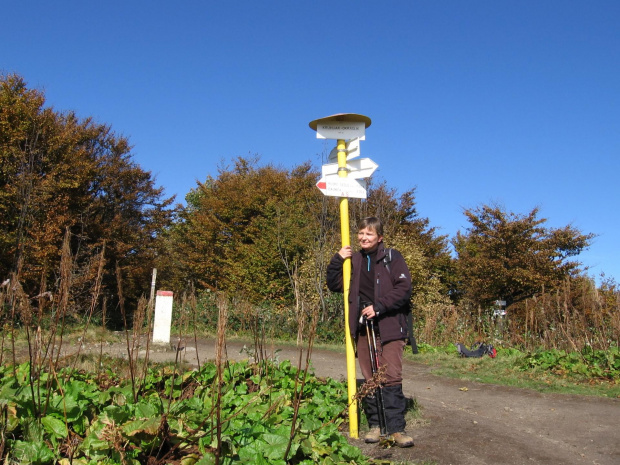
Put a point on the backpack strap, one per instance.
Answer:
(387, 258)
(412, 342)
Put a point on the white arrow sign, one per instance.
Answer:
(335, 186)
(358, 169)
(352, 147)
(362, 167)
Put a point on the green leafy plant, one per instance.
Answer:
(88, 418)
(589, 363)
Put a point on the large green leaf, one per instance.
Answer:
(277, 444)
(148, 409)
(36, 453)
(148, 426)
(252, 450)
(55, 426)
(116, 414)
(32, 429)
(9, 387)
(66, 404)
(94, 447)
(80, 425)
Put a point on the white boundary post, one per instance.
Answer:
(163, 317)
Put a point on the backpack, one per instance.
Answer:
(477, 350)
(411, 340)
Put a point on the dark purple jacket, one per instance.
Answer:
(392, 292)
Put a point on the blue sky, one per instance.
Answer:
(472, 102)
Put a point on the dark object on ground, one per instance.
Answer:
(477, 350)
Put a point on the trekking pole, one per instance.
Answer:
(374, 366)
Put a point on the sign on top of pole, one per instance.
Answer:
(341, 126)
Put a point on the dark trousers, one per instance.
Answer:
(395, 405)
(390, 355)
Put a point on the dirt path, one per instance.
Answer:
(480, 425)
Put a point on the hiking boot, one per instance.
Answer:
(373, 436)
(402, 440)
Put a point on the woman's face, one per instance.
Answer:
(368, 239)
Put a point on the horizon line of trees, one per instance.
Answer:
(253, 231)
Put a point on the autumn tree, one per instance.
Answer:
(508, 256)
(241, 230)
(60, 173)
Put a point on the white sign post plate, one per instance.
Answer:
(340, 130)
(335, 186)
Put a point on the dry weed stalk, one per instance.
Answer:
(121, 302)
(178, 347)
(3, 317)
(96, 292)
(66, 272)
(222, 323)
(150, 311)
(193, 306)
(20, 305)
(140, 315)
(183, 324)
(104, 306)
(298, 394)
(113, 435)
(254, 318)
(220, 354)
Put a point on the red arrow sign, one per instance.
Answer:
(335, 186)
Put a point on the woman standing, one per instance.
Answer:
(380, 291)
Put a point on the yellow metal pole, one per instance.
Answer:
(346, 279)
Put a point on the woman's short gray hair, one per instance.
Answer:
(373, 223)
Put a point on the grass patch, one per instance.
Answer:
(507, 369)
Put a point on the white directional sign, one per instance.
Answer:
(352, 147)
(358, 169)
(362, 167)
(340, 130)
(335, 186)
